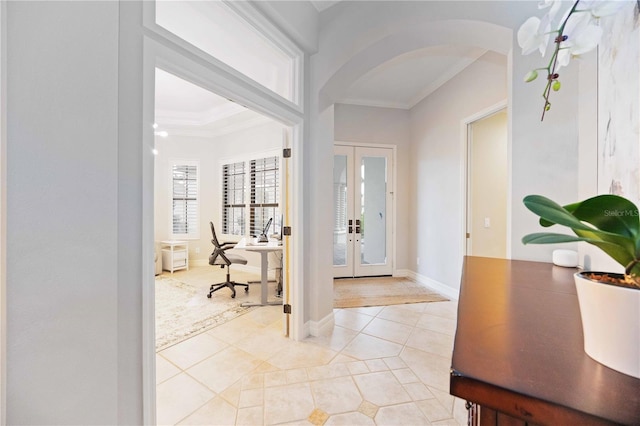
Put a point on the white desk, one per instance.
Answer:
(263, 249)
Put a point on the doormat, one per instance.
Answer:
(380, 291)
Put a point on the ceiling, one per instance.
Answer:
(402, 82)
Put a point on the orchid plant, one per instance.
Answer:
(576, 33)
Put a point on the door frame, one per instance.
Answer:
(394, 172)
(185, 62)
(465, 124)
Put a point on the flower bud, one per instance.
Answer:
(556, 85)
(531, 75)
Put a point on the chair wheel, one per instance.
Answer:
(209, 296)
(233, 295)
(246, 289)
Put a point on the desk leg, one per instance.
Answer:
(264, 281)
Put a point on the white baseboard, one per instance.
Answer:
(316, 328)
(402, 273)
(445, 290)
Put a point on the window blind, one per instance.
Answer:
(233, 200)
(185, 199)
(265, 194)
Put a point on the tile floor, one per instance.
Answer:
(378, 366)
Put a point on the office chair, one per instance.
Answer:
(222, 259)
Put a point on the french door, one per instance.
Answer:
(363, 197)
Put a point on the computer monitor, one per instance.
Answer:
(263, 237)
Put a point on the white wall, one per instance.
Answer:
(383, 126)
(74, 263)
(209, 152)
(437, 170)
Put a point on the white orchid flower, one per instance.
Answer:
(534, 35)
(582, 36)
(552, 5)
(602, 8)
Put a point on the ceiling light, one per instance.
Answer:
(154, 151)
(155, 125)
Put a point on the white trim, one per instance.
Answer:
(317, 328)
(403, 273)
(174, 58)
(3, 216)
(443, 289)
(464, 164)
(186, 49)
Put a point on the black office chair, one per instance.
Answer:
(222, 259)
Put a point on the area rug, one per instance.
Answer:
(361, 292)
(183, 310)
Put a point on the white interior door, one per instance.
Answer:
(363, 197)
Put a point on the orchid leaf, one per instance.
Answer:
(553, 212)
(610, 213)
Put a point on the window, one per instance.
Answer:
(233, 204)
(184, 199)
(259, 179)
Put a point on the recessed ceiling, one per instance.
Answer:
(184, 108)
(407, 79)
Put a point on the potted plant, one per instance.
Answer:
(609, 302)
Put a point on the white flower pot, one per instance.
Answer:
(611, 323)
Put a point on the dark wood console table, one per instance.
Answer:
(518, 353)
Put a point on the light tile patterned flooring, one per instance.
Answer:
(378, 366)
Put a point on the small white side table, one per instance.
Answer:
(175, 255)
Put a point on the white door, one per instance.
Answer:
(363, 197)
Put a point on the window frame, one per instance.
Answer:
(247, 159)
(182, 162)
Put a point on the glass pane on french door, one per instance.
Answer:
(373, 205)
(340, 210)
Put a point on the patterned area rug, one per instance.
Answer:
(183, 310)
(361, 292)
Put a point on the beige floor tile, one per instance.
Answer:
(376, 365)
(300, 355)
(253, 381)
(431, 341)
(394, 363)
(368, 310)
(445, 398)
(368, 347)
(336, 338)
(350, 419)
(296, 375)
(405, 375)
(434, 410)
(232, 393)
(236, 330)
(437, 323)
(264, 344)
(358, 367)
(337, 395)
(460, 412)
(224, 368)
(381, 388)
(342, 359)
(328, 371)
(287, 403)
(418, 391)
(275, 378)
(164, 369)
(432, 370)
(388, 330)
(251, 398)
(400, 314)
(191, 351)
(351, 319)
(215, 412)
(250, 416)
(403, 414)
(178, 397)
(448, 422)
(443, 309)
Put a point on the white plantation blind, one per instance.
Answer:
(265, 194)
(251, 196)
(185, 199)
(233, 200)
